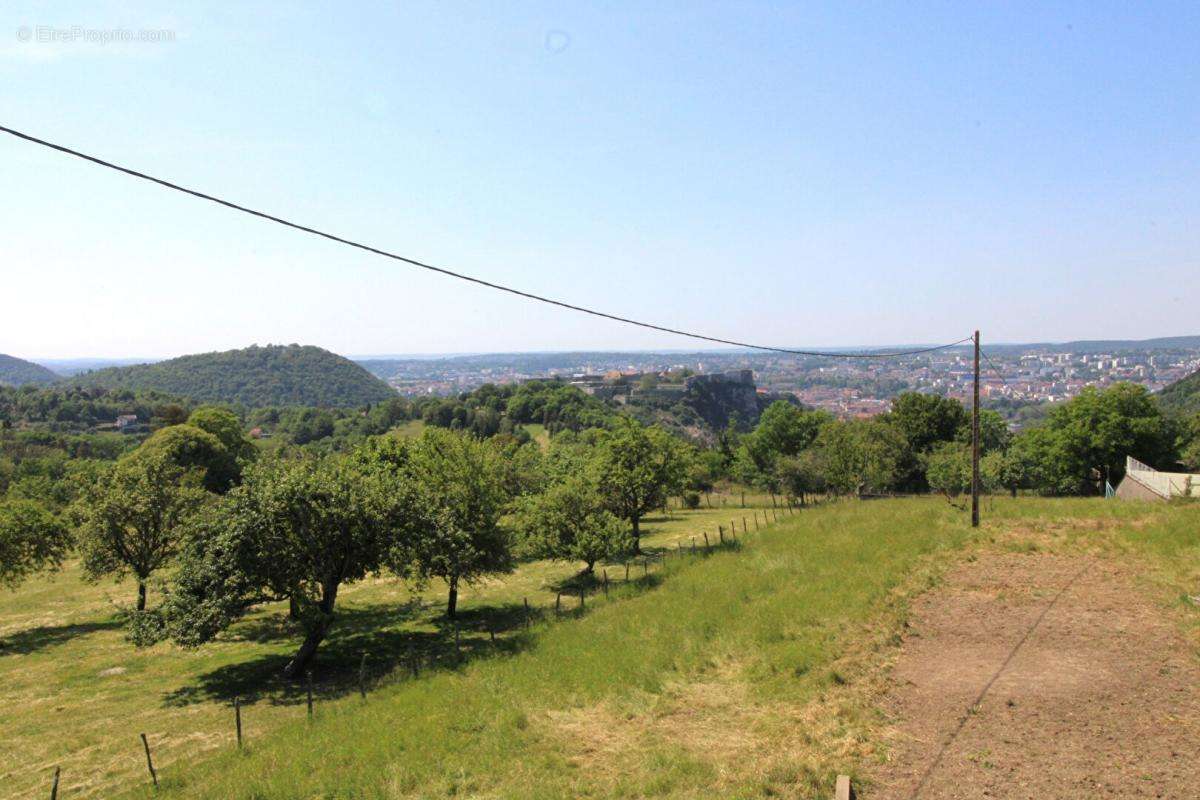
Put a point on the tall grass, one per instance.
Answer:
(585, 708)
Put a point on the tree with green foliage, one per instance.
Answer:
(225, 425)
(926, 419)
(132, 519)
(463, 480)
(860, 455)
(305, 425)
(637, 468)
(1018, 466)
(948, 469)
(1084, 441)
(294, 529)
(802, 475)
(785, 429)
(994, 433)
(1189, 443)
(193, 448)
(568, 522)
(31, 539)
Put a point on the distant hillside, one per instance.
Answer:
(1102, 345)
(275, 375)
(1183, 395)
(18, 372)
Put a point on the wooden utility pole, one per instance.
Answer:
(975, 443)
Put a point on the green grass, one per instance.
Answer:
(410, 429)
(75, 694)
(748, 673)
(539, 434)
(687, 685)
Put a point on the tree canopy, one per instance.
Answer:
(636, 469)
(462, 483)
(296, 529)
(31, 539)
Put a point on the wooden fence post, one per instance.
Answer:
(706, 541)
(362, 670)
(842, 790)
(721, 534)
(149, 765)
(237, 719)
(308, 680)
(54, 786)
(743, 526)
(626, 571)
(693, 545)
(605, 584)
(527, 613)
(582, 602)
(557, 603)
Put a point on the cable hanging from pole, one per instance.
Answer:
(469, 278)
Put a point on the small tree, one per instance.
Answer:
(297, 530)
(568, 522)
(636, 469)
(802, 475)
(130, 521)
(860, 455)
(462, 480)
(948, 470)
(31, 539)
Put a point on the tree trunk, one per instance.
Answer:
(141, 601)
(637, 533)
(452, 604)
(308, 648)
(590, 569)
(293, 608)
(316, 633)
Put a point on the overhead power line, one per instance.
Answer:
(471, 279)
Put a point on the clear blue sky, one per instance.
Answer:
(785, 173)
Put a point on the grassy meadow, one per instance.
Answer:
(749, 672)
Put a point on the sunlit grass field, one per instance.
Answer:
(75, 694)
(741, 673)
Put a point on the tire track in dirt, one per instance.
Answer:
(1035, 676)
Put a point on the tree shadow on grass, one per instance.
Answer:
(339, 667)
(34, 639)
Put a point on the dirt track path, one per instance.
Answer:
(1099, 695)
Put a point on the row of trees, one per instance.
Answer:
(924, 443)
(237, 529)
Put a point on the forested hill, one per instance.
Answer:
(275, 375)
(1182, 395)
(18, 372)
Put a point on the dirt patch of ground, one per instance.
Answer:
(1032, 675)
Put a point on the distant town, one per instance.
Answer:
(1012, 376)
